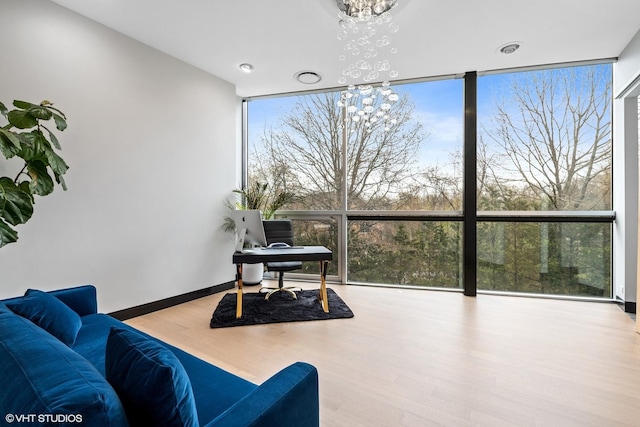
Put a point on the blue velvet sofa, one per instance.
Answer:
(63, 363)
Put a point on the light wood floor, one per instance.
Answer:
(428, 358)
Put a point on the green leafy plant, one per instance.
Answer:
(26, 137)
(258, 196)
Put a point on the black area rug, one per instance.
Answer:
(281, 307)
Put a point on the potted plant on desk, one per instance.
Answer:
(257, 196)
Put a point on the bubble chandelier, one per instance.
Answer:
(366, 30)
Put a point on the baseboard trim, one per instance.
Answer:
(140, 310)
(629, 307)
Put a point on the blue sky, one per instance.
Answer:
(439, 108)
(439, 105)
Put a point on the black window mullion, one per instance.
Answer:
(469, 259)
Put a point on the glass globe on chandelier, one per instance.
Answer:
(365, 9)
(366, 32)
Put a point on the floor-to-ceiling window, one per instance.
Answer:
(387, 195)
(381, 193)
(544, 174)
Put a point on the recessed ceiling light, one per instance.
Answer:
(509, 48)
(308, 77)
(247, 68)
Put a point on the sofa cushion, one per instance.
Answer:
(50, 314)
(150, 380)
(41, 375)
(214, 389)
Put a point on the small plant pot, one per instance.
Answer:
(252, 274)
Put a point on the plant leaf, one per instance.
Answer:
(16, 205)
(37, 111)
(24, 105)
(22, 119)
(60, 180)
(41, 183)
(26, 188)
(9, 143)
(11, 137)
(41, 112)
(30, 146)
(37, 147)
(53, 138)
(61, 123)
(3, 109)
(57, 163)
(7, 234)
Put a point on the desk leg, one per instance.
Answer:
(239, 296)
(324, 265)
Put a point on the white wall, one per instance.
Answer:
(151, 146)
(625, 171)
(625, 201)
(628, 66)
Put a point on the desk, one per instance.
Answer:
(304, 253)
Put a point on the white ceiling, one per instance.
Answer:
(436, 37)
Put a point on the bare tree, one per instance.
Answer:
(305, 154)
(555, 133)
(548, 148)
(442, 185)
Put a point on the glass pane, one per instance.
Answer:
(545, 140)
(545, 258)
(295, 145)
(405, 253)
(414, 161)
(316, 232)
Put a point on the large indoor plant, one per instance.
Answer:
(27, 138)
(257, 196)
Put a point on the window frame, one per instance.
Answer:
(469, 215)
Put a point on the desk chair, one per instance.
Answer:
(280, 231)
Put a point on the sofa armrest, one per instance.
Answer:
(287, 399)
(81, 299)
